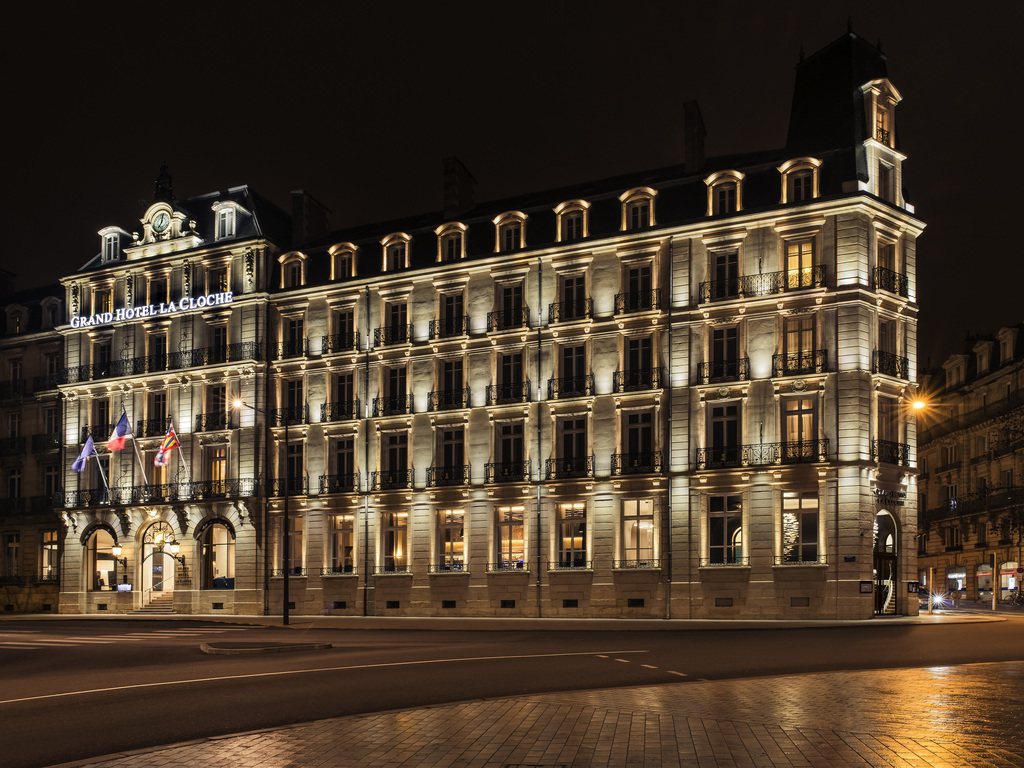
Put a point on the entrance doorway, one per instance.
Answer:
(884, 560)
(157, 563)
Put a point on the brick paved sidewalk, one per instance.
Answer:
(946, 716)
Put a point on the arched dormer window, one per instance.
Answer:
(293, 269)
(343, 261)
(226, 219)
(111, 242)
(509, 232)
(17, 319)
(572, 220)
(451, 241)
(396, 251)
(725, 192)
(637, 209)
(800, 180)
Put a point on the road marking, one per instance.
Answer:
(648, 666)
(680, 674)
(624, 661)
(283, 673)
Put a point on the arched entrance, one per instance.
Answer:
(157, 563)
(885, 567)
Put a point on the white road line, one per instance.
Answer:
(679, 674)
(58, 643)
(648, 666)
(289, 672)
(624, 661)
(22, 645)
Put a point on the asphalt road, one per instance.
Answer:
(71, 690)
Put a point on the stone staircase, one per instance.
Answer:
(160, 603)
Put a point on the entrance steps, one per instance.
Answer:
(161, 604)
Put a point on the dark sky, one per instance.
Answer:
(358, 104)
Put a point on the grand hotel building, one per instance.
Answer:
(675, 393)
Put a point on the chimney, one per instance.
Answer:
(311, 219)
(459, 188)
(694, 131)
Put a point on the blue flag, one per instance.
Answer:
(88, 450)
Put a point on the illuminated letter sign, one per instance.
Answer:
(153, 310)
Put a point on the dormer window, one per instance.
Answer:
(16, 320)
(572, 220)
(799, 179)
(509, 232)
(637, 209)
(343, 261)
(110, 241)
(293, 269)
(396, 251)
(225, 223)
(725, 192)
(451, 242)
(51, 313)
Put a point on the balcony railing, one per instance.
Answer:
(503, 394)
(438, 477)
(381, 570)
(507, 320)
(725, 562)
(638, 301)
(292, 348)
(559, 469)
(892, 281)
(508, 472)
(46, 382)
(99, 432)
(574, 563)
(11, 389)
(151, 427)
(339, 342)
(147, 494)
(295, 486)
(637, 381)
(800, 363)
(211, 422)
(768, 284)
(890, 365)
(762, 454)
(717, 371)
(890, 452)
(882, 135)
(343, 483)
(337, 570)
(392, 480)
(571, 386)
(992, 500)
(289, 414)
(228, 353)
(796, 558)
(392, 334)
(454, 567)
(567, 311)
(636, 463)
(295, 570)
(392, 406)
(448, 399)
(45, 442)
(343, 411)
(509, 565)
(447, 327)
(647, 562)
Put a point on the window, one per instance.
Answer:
(396, 251)
(799, 179)
(510, 445)
(217, 279)
(725, 530)
(639, 295)
(799, 527)
(394, 530)
(725, 192)
(509, 232)
(295, 561)
(510, 387)
(293, 272)
(637, 209)
(800, 264)
(103, 300)
(452, 320)
(49, 560)
(216, 406)
(799, 429)
(51, 480)
(12, 555)
(157, 358)
(574, 442)
(451, 393)
(396, 453)
(452, 449)
(344, 459)
(111, 247)
(801, 186)
(574, 380)
(217, 468)
(451, 545)
(725, 272)
(511, 554)
(225, 226)
(638, 438)
(724, 351)
(396, 323)
(724, 435)
(572, 535)
(451, 247)
(798, 354)
(637, 533)
(510, 312)
(572, 220)
(342, 537)
(14, 424)
(639, 373)
(886, 182)
(157, 289)
(888, 419)
(725, 198)
(574, 304)
(156, 424)
(886, 253)
(14, 483)
(217, 556)
(100, 561)
(295, 466)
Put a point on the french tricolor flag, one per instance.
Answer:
(116, 441)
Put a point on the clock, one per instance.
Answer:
(161, 221)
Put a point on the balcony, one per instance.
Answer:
(294, 486)
(508, 320)
(49, 441)
(337, 570)
(292, 348)
(571, 386)
(350, 409)
(399, 568)
(147, 494)
(882, 135)
(452, 567)
(763, 454)
(638, 301)
(45, 383)
(800, 363)
(719, 371)
(889, 452)
(568, 311)
(768, 284)
(647, 562)
(389, 335)
(99, 432)
(449, 327)
(562, 469)
(508, 565)
(439, 477)
(12, 389)
(890, 365)
(228, 353)
(508, 472)
(343, 483)
(504, 394)
(339, 342)
(290, 414)
(392, 406)
(391, 480)
(151, 427)
(448, 399)
(637, 381)
(796, 558)
(722, 561)
(571, 563)
(295, 570)
(645, 463)
(211, 422)
(891, 281)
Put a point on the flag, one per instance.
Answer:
(116, 441)
(87, 450)
(163, 456)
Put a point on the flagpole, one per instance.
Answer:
(99, 466)
(184, 464)
(135, 445)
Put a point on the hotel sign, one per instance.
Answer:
(153, 310)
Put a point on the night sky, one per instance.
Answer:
(358, 104)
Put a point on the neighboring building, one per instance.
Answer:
(972, 464)
(668, 394)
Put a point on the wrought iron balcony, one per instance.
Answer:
(574, 563)
(294, 486)
(382, 570)
(717, 371)
(210, 422)
(509, 565)
(508, 320)
(890, 365)
(290, 414)
(762, 454)
(151, 427)
(882, 135)
(292, 348)
(638, 301)
(453, 567)
(503, 394)
(560, 469)
(340, 411)
(148, 494)
(447, 327)
(800, 363)
(339, 342)
(195, 358)
(567, 311)
(99, 432)
(892, 281)
(722, 561)
(45, 442)
(767, 284)
(571, 386)
(392, 334)
(438, 477)
(636, 463)
(12, 445)
(796, 558)
(10, 389)
(637, 381)
(337, 570)
(508, 472)
(295, 570)
(392, 406)
(448, 399)
(343, 483)
(647, 562)
(890, 452)
(392, 479)
(45, 383)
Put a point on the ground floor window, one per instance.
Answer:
(49, 557)
(725, 530)
(799, 527)
(511, 554)
(217, 556)
(395, 550)
(11, 555)
(637, 532)
(100, 559)
(956, 576)
(295, 552)
(1009, 579)
(572, 535)
(451, 544)
(342, 543)
(983, 578)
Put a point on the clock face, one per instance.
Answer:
(161, 222)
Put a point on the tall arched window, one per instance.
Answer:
(217, 555)
(102, 574)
